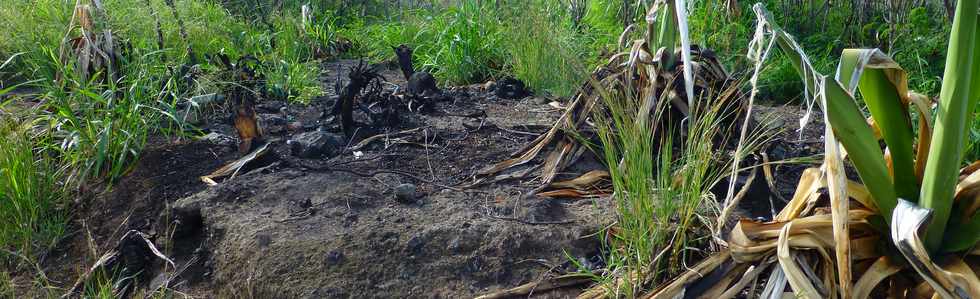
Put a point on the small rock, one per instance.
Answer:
(316, 144)
(271, 106)
(334, 257)
(489, 86)
(585, 263)
(263, 239)
(295, 126)
(454, 245)
(272, 123)
(415, 245)
(219, 139)
(472, 124)
(405, 193)
(510, 88)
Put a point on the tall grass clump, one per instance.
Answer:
(460, 45)
(101, 127)
(32, 217)
(289, 64)
(914, 36)
(662, 189)
(548, 58)
(470, 41)
(464, 43)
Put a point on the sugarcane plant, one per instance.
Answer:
(914, 208)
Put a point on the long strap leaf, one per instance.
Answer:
(884, 88)
(845, 118)
(951, 119)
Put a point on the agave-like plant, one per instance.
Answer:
(914, 209)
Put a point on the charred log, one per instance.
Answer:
(361, 77)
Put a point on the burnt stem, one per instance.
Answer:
(404, 54)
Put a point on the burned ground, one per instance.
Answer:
(331, 227)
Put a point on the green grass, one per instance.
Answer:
(102, 127)
(919, 46)
(32, 196)
(460, 45)
(471, 42)
(972, 151)
(662, 191)
(6, 285)
(551, 57)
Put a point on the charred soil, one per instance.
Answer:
(384, 218)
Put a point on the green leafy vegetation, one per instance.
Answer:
(32, 215)
(475, 41)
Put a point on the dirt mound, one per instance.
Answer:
(166, 172)
(294, 234)
(288, 227)
(383, 220)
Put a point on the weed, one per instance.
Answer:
(6, 285)
(549, 58)
(662, 189)
(32, 217)
(103, 126)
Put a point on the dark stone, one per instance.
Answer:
(334, 257)
(405, 193)
(316, 144)
(454, 245)
(422, 83)
(415, 245)
(263, 239)
(510, 88)
(135, 255)
(272, 123)
(219, 139)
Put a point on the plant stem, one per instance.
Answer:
(947, 143)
